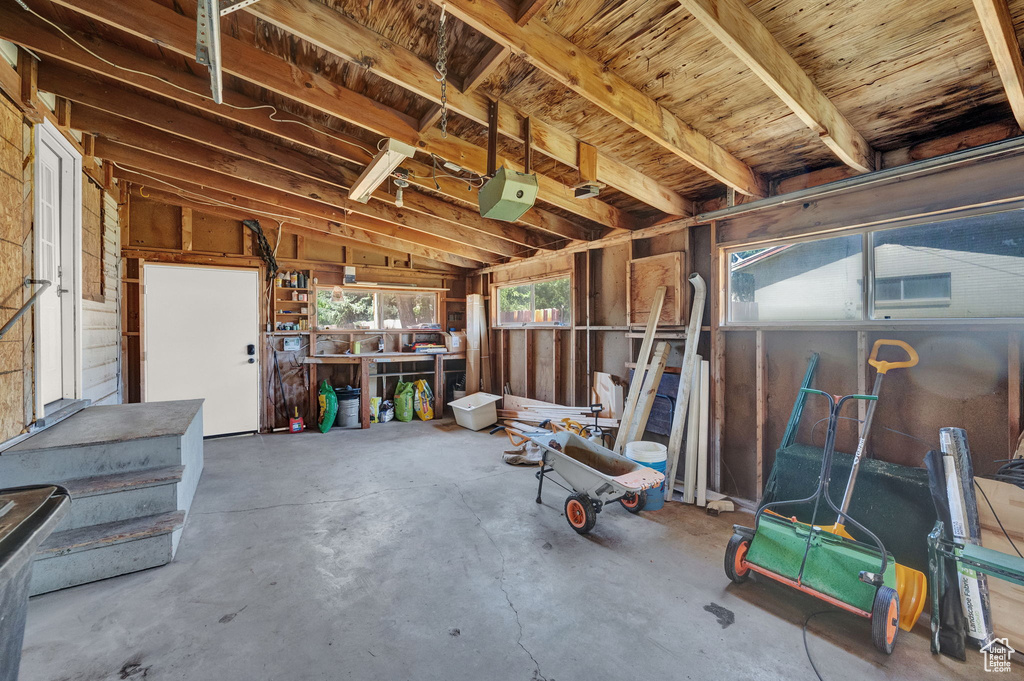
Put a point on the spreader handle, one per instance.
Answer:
(882, 366)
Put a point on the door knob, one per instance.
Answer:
(252, 361)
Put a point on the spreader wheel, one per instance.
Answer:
(635, 502)
(885, 619)
(736, 567)
(580, 513)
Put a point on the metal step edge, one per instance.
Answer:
(108, 534)
(119, 482)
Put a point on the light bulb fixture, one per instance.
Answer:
(401, 176)
(380, 169)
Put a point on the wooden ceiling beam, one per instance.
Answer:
(348, 235)
(185, 88)
(997, 24)
(736, 27)
(150, 20)
(116, 128)
(563, 61)
(328, 29)
(123, 104)
(276, 74)
(528, 9)
(485, 67)
(263, 189)
(153, 22)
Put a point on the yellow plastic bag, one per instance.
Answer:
(423, 400)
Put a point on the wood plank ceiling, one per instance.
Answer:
(681, 99)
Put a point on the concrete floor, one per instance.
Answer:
(410, 551)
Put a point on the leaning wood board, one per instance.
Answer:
(641, 368)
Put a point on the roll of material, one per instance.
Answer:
(966, 529)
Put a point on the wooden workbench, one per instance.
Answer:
(365, 362)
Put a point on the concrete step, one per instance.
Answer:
(101, 499)
(86, 554)
(105, 440)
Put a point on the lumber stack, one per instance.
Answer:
(536, 411)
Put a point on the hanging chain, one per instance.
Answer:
(442, 69)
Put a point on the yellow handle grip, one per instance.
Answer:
(882, 366)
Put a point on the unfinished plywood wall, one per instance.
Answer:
(15, 252)
(100, 321)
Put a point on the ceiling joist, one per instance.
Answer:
(997, 23)
(563, 61)
(736, 27)
(151, 21)
(185, 88)
(319, 25)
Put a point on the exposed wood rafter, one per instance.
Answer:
(732, 22)
(185, 88)
(485, 67)
(146, 19)
(563, 61)
(318, 24)
(997, 23)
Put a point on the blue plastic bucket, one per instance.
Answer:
(652, 455)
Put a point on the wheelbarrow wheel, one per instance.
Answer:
(580, 513)
(736, 567)
(885, 619)
(634, 502)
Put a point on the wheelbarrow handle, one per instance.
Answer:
(883, 366)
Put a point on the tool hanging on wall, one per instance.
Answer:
(266, 252)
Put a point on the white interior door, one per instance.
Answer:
(57, 259)
(200, 325)
(47, 222)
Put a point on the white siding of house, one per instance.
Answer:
(982, 284)
(101, 322)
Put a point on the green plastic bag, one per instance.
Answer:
(328, 406)
(404, 393)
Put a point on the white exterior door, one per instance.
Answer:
(57, 239)
(200, 325)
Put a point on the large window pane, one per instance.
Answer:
(340, 309)
(545, 302)
(551, 300)
(408, 310)
(515, 304)
(969, 267)
(810, 281)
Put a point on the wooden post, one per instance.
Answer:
(761, 382)
(28, 70)
(718, 312)
(186, 229)
(62, 111)
(1013, 385)
(364, 392)
(314, 410)
(438, 385)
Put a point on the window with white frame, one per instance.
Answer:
(540, 303)
(360, 309)
(968, 267)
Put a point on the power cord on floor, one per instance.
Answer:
(807, 648)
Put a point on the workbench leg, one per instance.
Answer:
(314, 411)
(364, 393)
(438, 386)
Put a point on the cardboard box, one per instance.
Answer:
(455, 341)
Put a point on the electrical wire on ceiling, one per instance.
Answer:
(274, 110)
